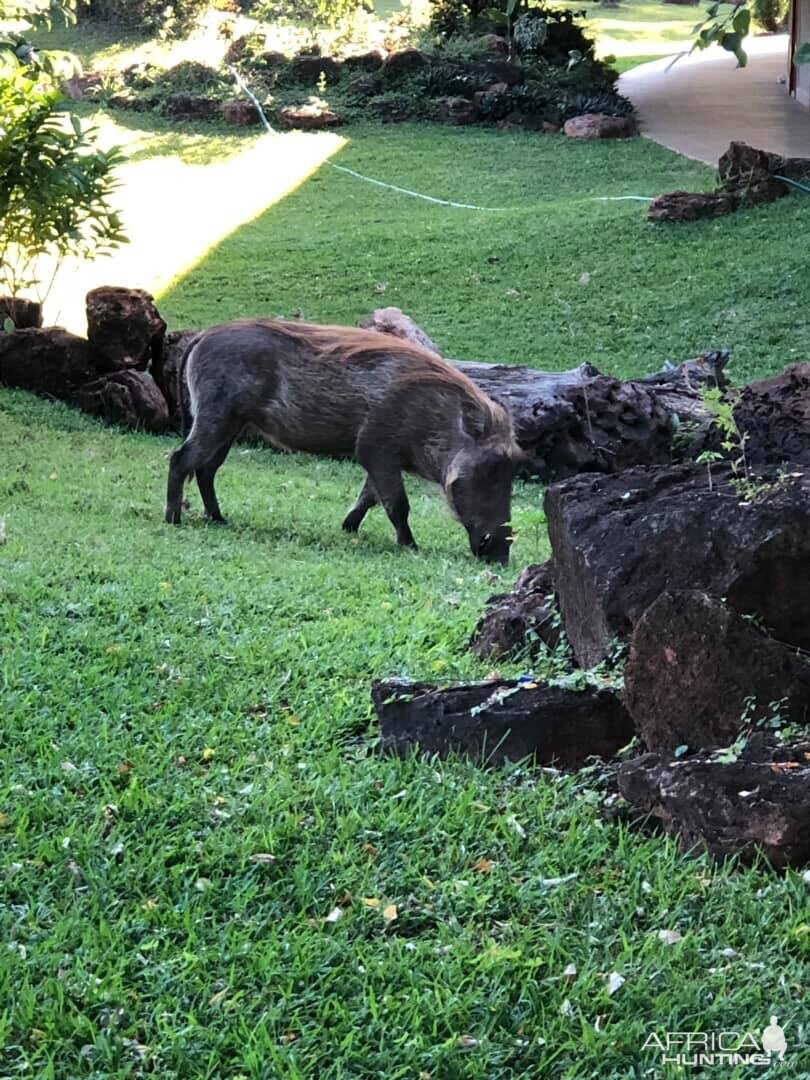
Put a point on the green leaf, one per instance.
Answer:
(711, 11)
(9, 325)
(742, 21)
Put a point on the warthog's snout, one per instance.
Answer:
(492, 547)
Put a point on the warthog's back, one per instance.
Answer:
(310, 387)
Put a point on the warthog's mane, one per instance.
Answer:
(345, 344)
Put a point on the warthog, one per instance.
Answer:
(334, 390)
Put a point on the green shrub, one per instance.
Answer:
(173, 16)
(54, 186)
(770, 14)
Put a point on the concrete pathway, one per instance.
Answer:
(705, 101)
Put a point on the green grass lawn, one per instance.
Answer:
(181, 704)
(190, 782)
(557, 278)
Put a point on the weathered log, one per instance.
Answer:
(166, 370)
(527, 617)
(699, 674)
(773, 415)
(577, 421)
(50, 361)
(124, 327)
(759, 803)
(502, 721)
(618, 542)
(129, 398)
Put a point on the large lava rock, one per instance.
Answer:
(600, 126)
(25, 314)
(311, 117)
(124, 327)
(620, 541)
(50, 361)
(239, 113)
(502, 721)
(191, 107)
(523, 618)
(698, 674)
(759, 803)
(774, 415)
(747, 174)
(128, 398)
(691, 206)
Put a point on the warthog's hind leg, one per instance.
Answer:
(366, 500)
(205, 482)
(202, 453)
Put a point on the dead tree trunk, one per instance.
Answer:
(580, 420)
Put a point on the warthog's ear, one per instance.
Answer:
(474, 420)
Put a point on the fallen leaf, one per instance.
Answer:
(483, 865)
(263, 857)
(615, 982)
(515, 824)
(3, 536)
(208, 754)
(289, 1037)
(670, 937)
(218, 998)
(335, 914)
(150, 904)
(585, 279)
(371, 901)
(468, 1040)
(570, 972)
(390, 913)
(566, 1009)
(784, 766)
(370, 849)
(125, 767)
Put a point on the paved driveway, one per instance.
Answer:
(705, 101)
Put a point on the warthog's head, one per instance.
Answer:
(478, 487)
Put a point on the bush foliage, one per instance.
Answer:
(171, 15)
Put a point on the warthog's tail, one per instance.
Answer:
(185, 419)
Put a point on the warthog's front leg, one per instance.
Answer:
(365, 501)
(387, 481)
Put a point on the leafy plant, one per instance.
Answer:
(770, 14)
(17, 21)
(727, 25)
(166, 16)
(55, 186)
